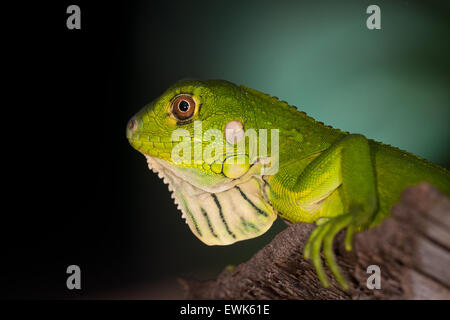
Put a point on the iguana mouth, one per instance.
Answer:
(222, 212)
(171, 175)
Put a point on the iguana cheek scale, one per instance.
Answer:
(336, 179)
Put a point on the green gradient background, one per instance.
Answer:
(391, 85)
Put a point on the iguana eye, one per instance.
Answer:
(183, 107)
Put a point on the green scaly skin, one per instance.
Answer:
(336, 179)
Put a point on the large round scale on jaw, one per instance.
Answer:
(217, 166)
(234, 131)
(236, 166)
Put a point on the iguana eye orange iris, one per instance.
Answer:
(183, 107)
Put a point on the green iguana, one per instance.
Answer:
(308, 172)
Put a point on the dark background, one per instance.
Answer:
(77, 193)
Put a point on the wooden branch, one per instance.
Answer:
(412, 249)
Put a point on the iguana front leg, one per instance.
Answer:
(347, 164)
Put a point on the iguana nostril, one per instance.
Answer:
(132, 125)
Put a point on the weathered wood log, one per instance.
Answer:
(412, 249)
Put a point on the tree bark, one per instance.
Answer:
(412, 249)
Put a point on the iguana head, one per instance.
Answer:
(196, 136)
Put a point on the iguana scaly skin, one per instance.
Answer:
(335, 179)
